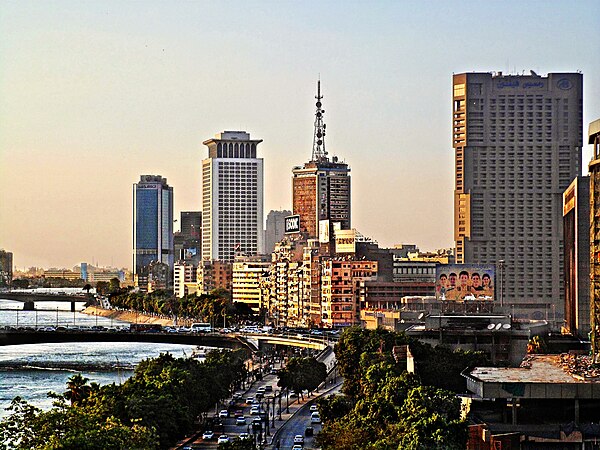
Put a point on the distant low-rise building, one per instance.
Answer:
(184, 278)
(213, 275)
(246, 278)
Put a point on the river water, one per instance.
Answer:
(31, 371)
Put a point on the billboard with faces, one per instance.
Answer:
(464, 282)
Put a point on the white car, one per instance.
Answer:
(208, 435)
(298, 439)
(243, 436)
(224, 414)
(240, 420)
(314, 408)
(223, 439)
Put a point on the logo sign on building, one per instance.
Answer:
(465, 282)
(345, 241)
(292, 224)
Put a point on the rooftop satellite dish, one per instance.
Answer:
(498, 326)
(506, 326)
(491, 326)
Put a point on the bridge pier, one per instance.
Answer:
(29, 306)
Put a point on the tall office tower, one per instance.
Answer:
(517, 142)
(576, 226)
(152, 225)
(321, 187)
(275, 229)
(594, 168)
(232, 197)
(187, 242)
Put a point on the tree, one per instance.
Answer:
(78, 389)
(87, 288)
(302, 373)
(114, 285)
(102, 287)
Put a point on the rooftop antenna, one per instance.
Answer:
(318, 152)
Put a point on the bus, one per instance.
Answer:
(201, 327)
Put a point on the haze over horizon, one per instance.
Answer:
(96, 94)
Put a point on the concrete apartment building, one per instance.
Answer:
(213, 275)
(517, 142)
(232, 197)
(184, 278)
(246, 280)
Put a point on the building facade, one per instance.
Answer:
(594, 168)
(576, 226)
(517, 142)
(321, 187)
(232, 197)
(152, 225)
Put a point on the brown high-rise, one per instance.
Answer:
(517, 142)
(321, 187)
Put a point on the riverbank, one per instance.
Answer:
(126, 316)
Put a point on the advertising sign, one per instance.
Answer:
(345, 241)
(323, 231)
(464, 282)
(292, 224)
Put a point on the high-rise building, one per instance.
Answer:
(191, 224)
(152, 225)
(187, 243)
(232, 197)
(594, 168)
(275, 229)
(321, 187)
(517, 142)
(576, 226)
(6, 268)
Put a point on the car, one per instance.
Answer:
(314, 408)
(223, 414)
(298, 439)
(237, 396)
(208, 435)
(261, 389)
(309, 431)
(238, 413)
(315, 419)
(241, 420)
(250, 400)
(243, 436)
(223, 439)
(297, 447)
(268, 388)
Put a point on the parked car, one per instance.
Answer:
(208, 435)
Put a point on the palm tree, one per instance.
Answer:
(78, 389)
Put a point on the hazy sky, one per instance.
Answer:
(93, 94)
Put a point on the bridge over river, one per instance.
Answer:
(254, 342)
(30, 298)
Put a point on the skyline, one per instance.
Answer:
(95, 95)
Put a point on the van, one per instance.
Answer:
(201, 327)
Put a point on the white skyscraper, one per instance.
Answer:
(232, 197)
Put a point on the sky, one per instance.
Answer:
(94, 94)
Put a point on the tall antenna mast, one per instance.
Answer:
(319, 153)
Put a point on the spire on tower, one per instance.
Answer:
(319, 153)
